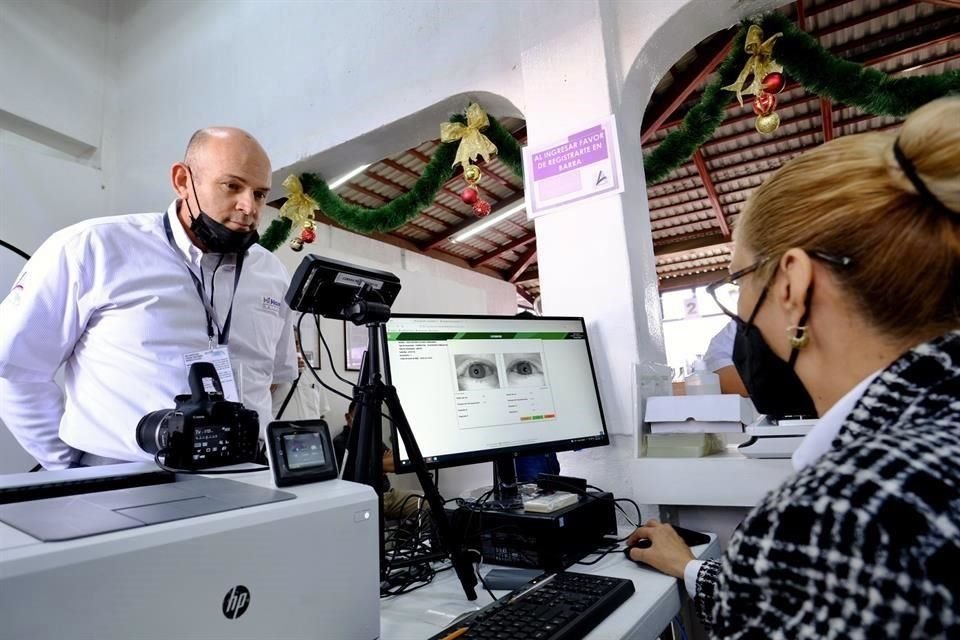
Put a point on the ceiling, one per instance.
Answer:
(693, 209)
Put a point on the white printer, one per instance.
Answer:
(303, 563)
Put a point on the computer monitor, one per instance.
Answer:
(488, 388)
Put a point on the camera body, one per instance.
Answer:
(203, 430)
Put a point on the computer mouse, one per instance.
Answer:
(642, 543)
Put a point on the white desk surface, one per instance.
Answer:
(657, 599)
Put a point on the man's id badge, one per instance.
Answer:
(220, 359)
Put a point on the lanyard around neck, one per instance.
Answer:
(223, 334)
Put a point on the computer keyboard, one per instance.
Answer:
(557, 606)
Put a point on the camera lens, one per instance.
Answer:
(152, 431)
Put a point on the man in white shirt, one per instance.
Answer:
(125, 303)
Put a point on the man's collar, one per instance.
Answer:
(190, 251)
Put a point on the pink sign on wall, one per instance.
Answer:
(585, 165)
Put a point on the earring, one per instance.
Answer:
(800, 337)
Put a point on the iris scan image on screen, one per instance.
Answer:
(524, 369)
(476, 371)
(303, 450)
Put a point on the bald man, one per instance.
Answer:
(126, 303)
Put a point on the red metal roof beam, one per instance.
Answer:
(686, 85)
(711, 192)
(826, 119)
(521, 265)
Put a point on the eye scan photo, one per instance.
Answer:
(524, 369)
(476, 371)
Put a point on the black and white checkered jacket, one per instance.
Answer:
(865, 543)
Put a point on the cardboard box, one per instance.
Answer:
(726, 413)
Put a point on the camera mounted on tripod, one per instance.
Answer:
(342, 291)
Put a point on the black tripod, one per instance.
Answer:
(363, 461)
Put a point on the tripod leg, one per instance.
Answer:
(448, 538)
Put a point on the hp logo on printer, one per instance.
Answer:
(236, 601)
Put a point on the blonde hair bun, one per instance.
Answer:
(930, 142)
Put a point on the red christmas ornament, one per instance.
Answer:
(764, 104)
(773, 82)
(308, 235)
(469, 195)
(481, 208)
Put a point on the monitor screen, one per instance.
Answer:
(478, 388)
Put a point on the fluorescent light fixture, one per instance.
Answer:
(347, 176)
(488, 222)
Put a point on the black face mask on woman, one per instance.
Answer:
(773, 384)
(215, 236)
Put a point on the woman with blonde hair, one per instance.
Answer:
(848, 263)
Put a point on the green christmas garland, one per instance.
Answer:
(404, 208)
(818, 70)
(802, 57)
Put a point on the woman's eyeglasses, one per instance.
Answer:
(733, 279)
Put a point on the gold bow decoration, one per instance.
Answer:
(759, 65)
(299, 207)
(472, 142)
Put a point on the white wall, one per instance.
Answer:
(53, 71)
(303, 76)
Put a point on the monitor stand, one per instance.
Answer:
(506, 490)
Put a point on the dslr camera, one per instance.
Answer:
(204, 430)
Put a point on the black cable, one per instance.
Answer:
(313, 371)
(323, 341)
(610, 548)
(205, 472)
(484, 583)
(20, 252)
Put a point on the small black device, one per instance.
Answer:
(546, 541)
(203, 430)
(300, 452)
(557, 606)
(339, 290)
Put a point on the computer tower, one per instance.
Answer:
(548, 541)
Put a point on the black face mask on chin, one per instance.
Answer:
(215, 236)
(773, 384)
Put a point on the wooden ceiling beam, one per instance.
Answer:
(530, 275)
(711, 192)
(827, 6)
(687, 83)
(688, 243)
(862, 18)
(951, 4)
(524, 294)
(801, 15)
(688, 282)
(396, 186)
(499, 251)
(826, 119)
(523, 261)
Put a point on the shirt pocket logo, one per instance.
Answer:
(271, 305)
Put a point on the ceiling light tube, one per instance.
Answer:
(488, 222)
(348, 176)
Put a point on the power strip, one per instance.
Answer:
(551, 502)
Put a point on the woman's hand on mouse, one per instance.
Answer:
(667, 552)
